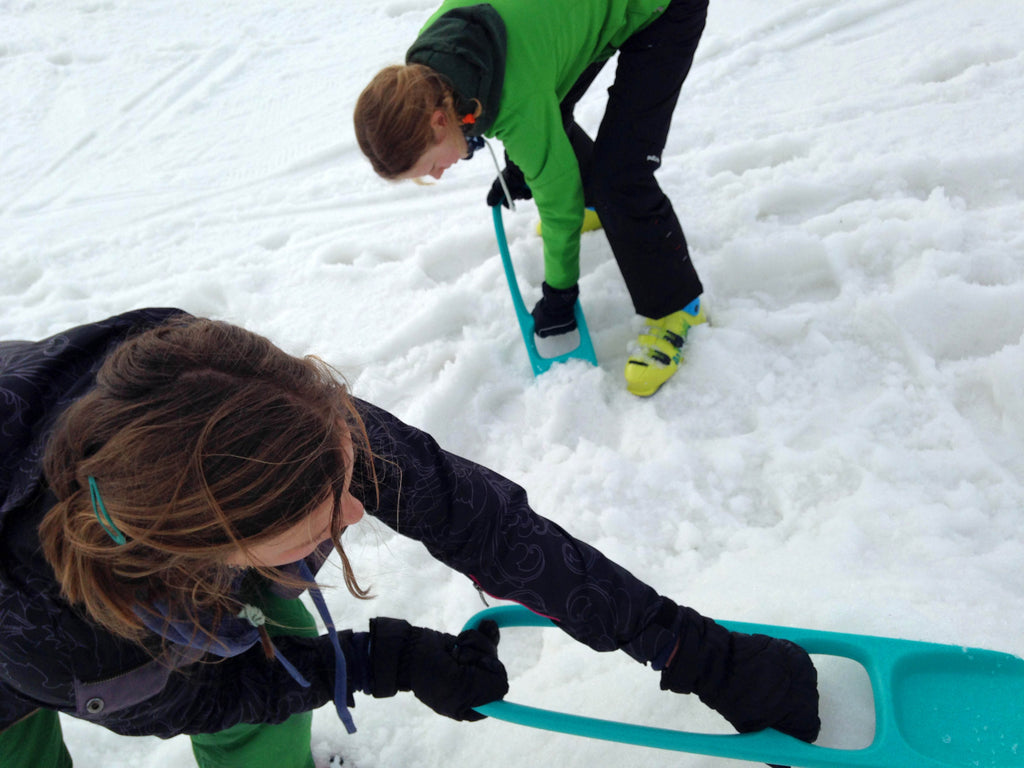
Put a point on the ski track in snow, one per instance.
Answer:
(843, 449)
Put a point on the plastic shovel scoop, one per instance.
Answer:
(584, 350)
(936, 706)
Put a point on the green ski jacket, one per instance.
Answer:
(519, 58)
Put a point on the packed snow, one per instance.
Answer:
(843, 448)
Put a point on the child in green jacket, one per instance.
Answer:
(513, 70)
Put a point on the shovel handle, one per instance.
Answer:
(583, 351)
(879, 656)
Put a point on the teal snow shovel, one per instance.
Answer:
(584, 350)
(936, 706)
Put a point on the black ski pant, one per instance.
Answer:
(618, 167)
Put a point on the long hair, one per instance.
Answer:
(392, 116)
(203, 439)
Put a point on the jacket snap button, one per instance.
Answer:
(94, 706)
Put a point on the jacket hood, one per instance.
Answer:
(38, 381)
(468, 46)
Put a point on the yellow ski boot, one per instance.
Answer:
(591, 221)
(660, 349)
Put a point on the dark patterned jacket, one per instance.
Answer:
(52, 656)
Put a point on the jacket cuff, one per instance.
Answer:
(658, 639)
(356, 647)
(387, 643)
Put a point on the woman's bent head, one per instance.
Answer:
(394, 113)
(204, 442)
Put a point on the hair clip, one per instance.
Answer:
(101, 513)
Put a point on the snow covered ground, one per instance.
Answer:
(844, 448)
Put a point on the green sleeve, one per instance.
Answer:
(553, 175)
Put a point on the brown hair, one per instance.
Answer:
(392, 116)
(203, 438)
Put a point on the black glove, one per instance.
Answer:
(754, 681)
(449, 674)
(514, 181)
(555, 313)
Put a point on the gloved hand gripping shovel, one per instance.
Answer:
(584, 350)
(936, 706)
